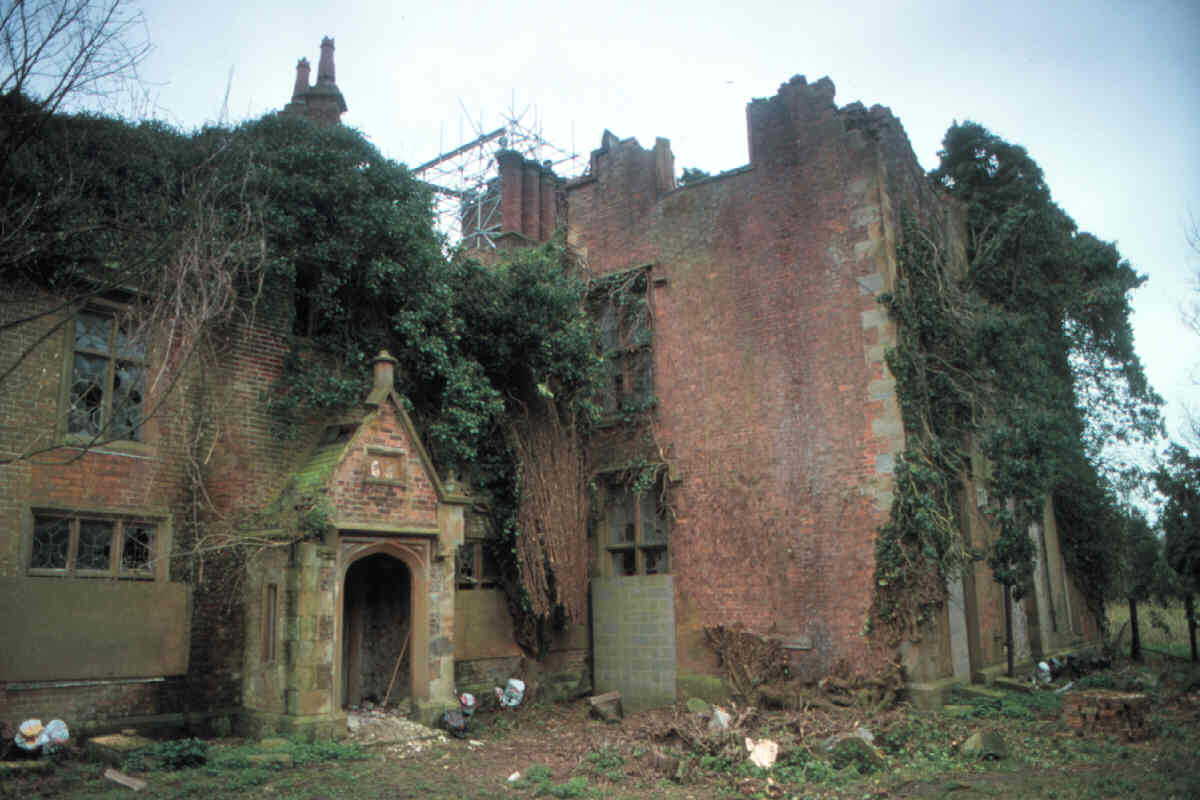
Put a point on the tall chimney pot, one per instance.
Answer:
(302, 72)
(385, 372)
(325, 73)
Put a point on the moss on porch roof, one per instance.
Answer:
(307, 484)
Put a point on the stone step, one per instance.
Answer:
(114, 748)
(1013, 685)
(980, 691)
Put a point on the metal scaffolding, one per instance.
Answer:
(466, 180)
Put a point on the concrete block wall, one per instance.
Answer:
(634, 638)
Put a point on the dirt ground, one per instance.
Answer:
(562, 751)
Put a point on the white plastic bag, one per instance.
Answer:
(513, 694)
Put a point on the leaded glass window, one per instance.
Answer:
(108, 378)
(638, 536)
(51, 544)
(92, 547)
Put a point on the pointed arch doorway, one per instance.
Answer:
(384, 601)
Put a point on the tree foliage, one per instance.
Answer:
(498, 362)
(1026, 354)
(1178, 479)
(344, 251)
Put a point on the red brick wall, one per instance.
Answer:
(83, 703)
(767, 368)
(245, 469)
(243, 464)
(360, 501)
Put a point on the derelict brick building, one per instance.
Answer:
(758, 375)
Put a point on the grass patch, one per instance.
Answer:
(1014, 705)
(606, 763)
(1161, 628)
(539, 778)
(174, 754)
(196, 754)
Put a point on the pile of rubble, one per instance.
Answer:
(371, 724)
(1099, 711)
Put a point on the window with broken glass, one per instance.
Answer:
(106, 392)
(92, 547)
(636, 532)
(620, 309)
(475, 566)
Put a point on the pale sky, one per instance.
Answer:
(1104, 95)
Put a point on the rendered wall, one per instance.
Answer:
(60, 629)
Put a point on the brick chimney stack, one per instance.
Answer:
(322, 102)
(325, 74)
(302, 72)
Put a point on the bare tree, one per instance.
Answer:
(67, 55)
(58, 54)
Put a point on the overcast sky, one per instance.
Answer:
(1104, 95)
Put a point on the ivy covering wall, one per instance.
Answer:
(1027, 356)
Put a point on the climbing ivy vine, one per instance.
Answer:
(1024, 355)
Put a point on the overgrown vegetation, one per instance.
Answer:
(499, 362)
(1013, 371)
(559, 751)
(1178, 479)
(309, 227)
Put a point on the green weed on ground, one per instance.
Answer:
(539, 778)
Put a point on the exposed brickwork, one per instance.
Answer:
(322, 102)
(770, 395)
(775, 405)
(92, 703)
(365, 498)
(245, 467)
(775, 408)
(1107, 713)
(481, 674)
(528, 203)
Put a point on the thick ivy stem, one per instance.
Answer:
(1189, 604)
(1135, 638)
(1008, 629)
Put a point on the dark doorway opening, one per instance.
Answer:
(376, 630)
